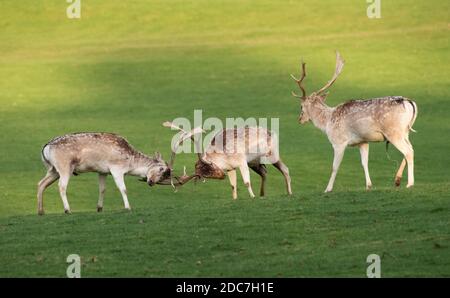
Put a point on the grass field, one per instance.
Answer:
(127, 66)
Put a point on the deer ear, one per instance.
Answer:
(157, 155)
(323, 96)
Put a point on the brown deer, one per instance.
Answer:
(237, 148)
(103, 153)
(358, 122)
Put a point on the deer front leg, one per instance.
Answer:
(120, 183)
(101, 191)
(233, 182)
(245, 172)
(338, 155)
(364, 151)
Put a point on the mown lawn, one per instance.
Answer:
(127, 66)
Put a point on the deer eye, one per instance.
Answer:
(161, 169)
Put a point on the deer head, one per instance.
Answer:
(159, 170)
(203, 167)
(208, 170)
(317, 97)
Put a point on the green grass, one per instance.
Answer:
(128, 66)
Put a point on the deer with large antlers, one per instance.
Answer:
(230, 149)
(358, 122)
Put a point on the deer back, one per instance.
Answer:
(90, 151)
(373, 119)
(248, 141)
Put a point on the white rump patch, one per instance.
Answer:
(46, 153)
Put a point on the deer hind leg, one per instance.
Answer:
(233, 181)
(48, 180)
(398, 176)
(364, 151)
(338, 155)
(101, 191)
(260, 169)
(410, 161)
(62, 184)
(285, 171)
(405, 147)
(245, 172)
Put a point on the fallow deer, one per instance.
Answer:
(358, 122)
(237, 148)
(103, 153)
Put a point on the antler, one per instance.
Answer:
(339, 66)
(184, 136)
(187, 135)
(299, 82)
(179, 180)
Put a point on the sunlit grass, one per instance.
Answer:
(128, 66)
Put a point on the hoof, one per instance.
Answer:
(99, 209)
(368, 187)
(409, 185)
(397, 181)
(41, 212)
(67, 212)
(328, 190)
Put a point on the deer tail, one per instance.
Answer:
(44, 157)
(413, 119)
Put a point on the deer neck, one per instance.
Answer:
(139, 164)
(320, 114)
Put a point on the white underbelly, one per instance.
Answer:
(85, 168)
(365, 138)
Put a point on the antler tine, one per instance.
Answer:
(184, 136)
(295, 94)
(339, 66)
(295, 79)
(175, 148)
(299, 82)
(192, 133)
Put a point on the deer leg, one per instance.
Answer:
(48, 180)
(364, 151)
(398, 176)
(233, 182)
(62, 184)
(410, 161)
(338, 155)
(285, 171)
(260, 169)
(405, 147)
(245, 172)
(101, 191)
(120, 183)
